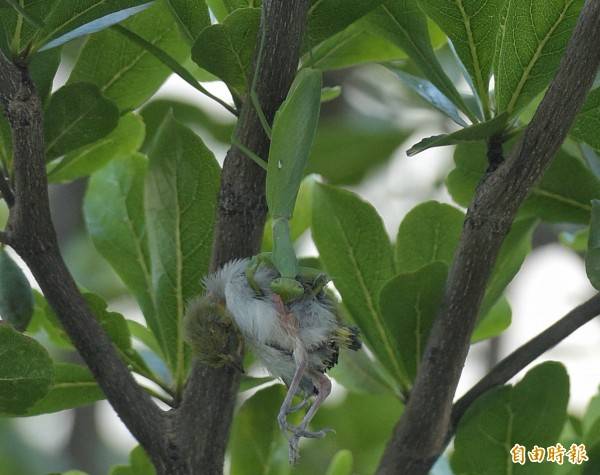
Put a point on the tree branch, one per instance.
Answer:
(210, 394)
(31, 233)
(419, 436)
(522, 356)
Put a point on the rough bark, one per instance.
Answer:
(419, 436)
(210, 394)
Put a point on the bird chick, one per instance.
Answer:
(296, 341)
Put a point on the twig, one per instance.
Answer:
(522, 356)
(209, 396)
(420, 435)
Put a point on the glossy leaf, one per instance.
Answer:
(113, 323)
(73, 386)
(563, 194)
(341, 464)
(403, 23)
(122, 142)
(63, 17)
(592, 257)
(472, 26)
(328, 17)
(428, 233)
(346, 150)
(493, 322)
(123, 70)
(532, 412)
(114, 215)
(533, 37)
(431, 94)
(359, 373)
(409, 305)
(26, 372)
(587, 121)
(43, 67)
(474, 133)
(77, 114)
(182, 185)
(357, 254)
(226, 49)
(249, 382)
(192, 16)
(256, 421)
(16, 298)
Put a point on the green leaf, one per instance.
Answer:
(403, 23)
(67, 18)
(328, 17)
(113, 323)
(578, 240)
(360, 374)
(563, 195)
(431, 94)
(473, 133)
(472, 26)
(532, 412)
(226, 49)
(428, 233)
(114, 215)
(77, 114)
(356, 252)
(139, 464)
(592, 257)
(353, 46)
(145, 336)
(16, 298)
(250, 382)
(191, 15)
(493, 322)
(533, 37)
(32, 19)
(42, 68)
(73, 386)
(585, 128)
(26, 372)
(409, 305)
(341, 464)
(301, 217)
(182, 185)
(122, 142)
(256, 421)
(346, 150)
(124, 71)
(329, 94)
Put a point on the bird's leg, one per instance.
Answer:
(301, 360)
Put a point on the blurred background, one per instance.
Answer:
(364, 135)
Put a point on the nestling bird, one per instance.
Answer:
(297, 341)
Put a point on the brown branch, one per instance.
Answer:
(31, 233)
(419, 436)
(522, 356)
(205, 415)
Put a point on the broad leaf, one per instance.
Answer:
(359, 373)
(226, 50)
(73, 386)
(114, 215)
(139, 464)
(113, 323)
(345, 151)
(249, 382)
(494, 322)
(26, 372)
(431, 94)
(256, 421)
(533, 37)
(563, 195)
(409, 305)
(341, 464)
(124, 71)
(532, 412)
(474, 133)
(191, 15)
(43, 67)
(592, 256)
(404, 24)
(357, 254)
(587, 121)
(428, 233)
(65, 16)
(77, 114)
(122, 142)
(16, 298)
(328, 17)
(472, 26)
(145, 336)
(182, 185)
